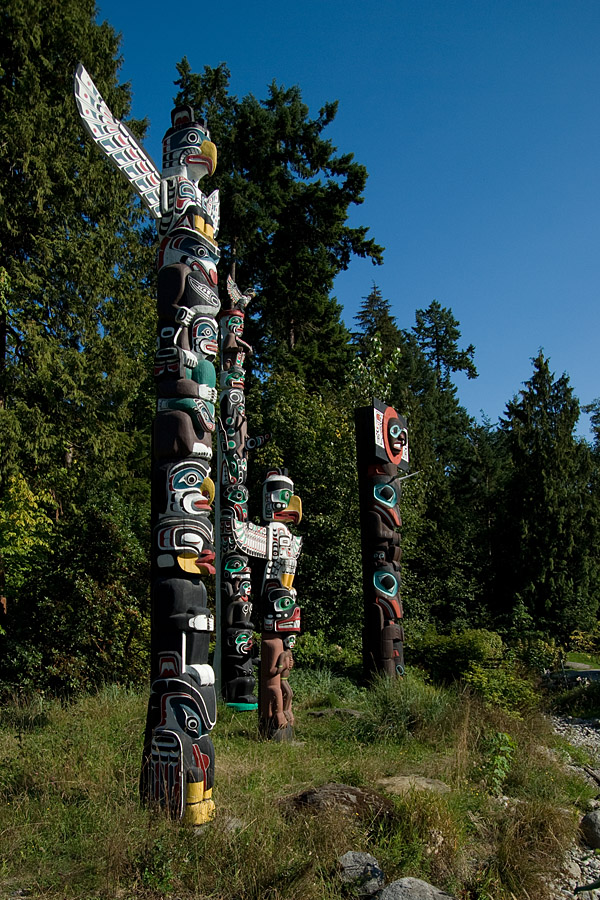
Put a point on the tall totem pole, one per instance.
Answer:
(237, 666)
(178, 758)
(381, 449)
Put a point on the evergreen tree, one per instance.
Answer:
(375, 319)
(437, 334)
(76, 324)
(285, 196)
(440, 565)
(547, 565)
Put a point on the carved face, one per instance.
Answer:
(190, 148)
(279, 501)
(386, 582)
(236, 567)
(234, 324)
(190, 490)
(282, 613)
(188, 546)
(201, 256)
(236, 496)
(386, 497)
(397, 436)
(204, 337)
(239, 642)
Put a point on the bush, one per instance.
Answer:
(400, 707)
(583, 700)
(503, 688)
(315, 651)
(537, 652)
(585, 641)
(449, 657)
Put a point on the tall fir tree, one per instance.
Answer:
(547, 570)
(285, 199)
(375, 319)
(76, 342)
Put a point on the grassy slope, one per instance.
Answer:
(71, 825)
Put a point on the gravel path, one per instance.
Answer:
(582, 865)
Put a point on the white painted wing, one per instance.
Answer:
(250, 538)
(117, 141)
(213, 207)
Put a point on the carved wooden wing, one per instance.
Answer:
(117, 141)
(250, 538)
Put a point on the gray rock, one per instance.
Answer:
(402, 784)
(412, 889)
(572, 869)
(362, 871)
(590, 828)
(353, 801)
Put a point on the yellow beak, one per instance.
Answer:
(295, 506)
(209, 149)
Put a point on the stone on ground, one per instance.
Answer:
(362, 871)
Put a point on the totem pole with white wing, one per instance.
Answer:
(178, 758)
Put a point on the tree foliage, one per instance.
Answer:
(285, 195)
(76, 315)
(501, 524)
(549, 512)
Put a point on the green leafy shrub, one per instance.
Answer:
(499, 750)
(450, 656)
(503, 688)
(585, 641)
(538, 652)
(582, 700)
(314, 651)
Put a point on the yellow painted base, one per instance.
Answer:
(199, 806)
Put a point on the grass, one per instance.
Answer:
(590, 659)
(71, 825)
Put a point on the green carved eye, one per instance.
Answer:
(284, 603)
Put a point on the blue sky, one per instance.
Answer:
(479, 124)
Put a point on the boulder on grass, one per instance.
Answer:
(356, 802)
(412, 889)
(361, 870)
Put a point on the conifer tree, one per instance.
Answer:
(437, 334)
(76, 336)
(285, 195)
(547, 562)
(375, 318)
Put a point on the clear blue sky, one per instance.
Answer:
(479, 124)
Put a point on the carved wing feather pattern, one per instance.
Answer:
(213, 207)
(250, 538)
(117, 141)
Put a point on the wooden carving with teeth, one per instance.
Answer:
(381, 449)
(178, 757)
(279, 549)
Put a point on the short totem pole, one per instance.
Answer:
(274, 544)
(178, 758)
(381, 449)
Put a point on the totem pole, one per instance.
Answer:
(279, 549)
(178, 758)
(237, 666)
(381, 448)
